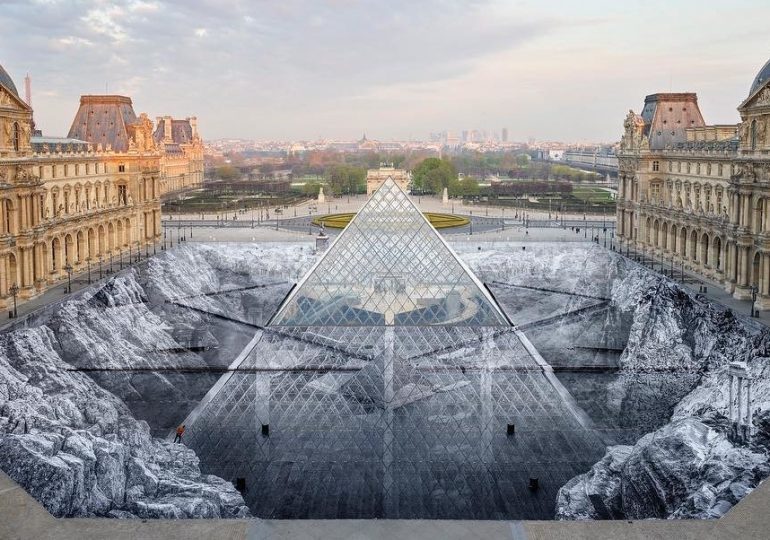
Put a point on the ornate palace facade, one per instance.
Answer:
(699, 195)
(76, 201)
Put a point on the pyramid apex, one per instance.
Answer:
(389, 267)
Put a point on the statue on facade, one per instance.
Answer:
(634, 132)
(5, 99)
(142, 134)
(763, 97)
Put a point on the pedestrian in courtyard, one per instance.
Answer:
(179, 433)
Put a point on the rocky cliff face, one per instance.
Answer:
(688, 468)
(73, 443)
(76, 448)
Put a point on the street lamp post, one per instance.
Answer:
(68, 269)
(88, 263)
(14, 290)
(100, 267)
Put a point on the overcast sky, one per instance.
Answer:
(291, 69)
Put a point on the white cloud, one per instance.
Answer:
(201, 32)
(74, 41)
(104, 20)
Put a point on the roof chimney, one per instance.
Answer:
(167, 127)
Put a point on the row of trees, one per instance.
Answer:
(433, 175)
(345, 178)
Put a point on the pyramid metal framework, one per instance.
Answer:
(389, 267)
(383, 387)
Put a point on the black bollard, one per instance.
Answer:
(511, 429)
(533, 484)
(266, 430)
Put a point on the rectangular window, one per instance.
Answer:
(121, 168)
(655, 165)
(655, 193)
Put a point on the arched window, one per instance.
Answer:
(16, 137)
(753, 134)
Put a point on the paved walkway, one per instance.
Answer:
(427, 203)
(79, 281)
(698, 284)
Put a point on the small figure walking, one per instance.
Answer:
(179, 433)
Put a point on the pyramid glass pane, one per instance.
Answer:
(389, 267)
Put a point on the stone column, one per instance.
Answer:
(22, 265)
(4, 275)
(747, 211)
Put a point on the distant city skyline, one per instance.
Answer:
(398, 70)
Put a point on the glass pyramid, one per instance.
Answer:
(389, 267)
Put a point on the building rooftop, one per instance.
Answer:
(761, 78)
(104, 119)
(6, 81)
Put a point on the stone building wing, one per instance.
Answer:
(667, 116)
(104, 120)
(174, 133)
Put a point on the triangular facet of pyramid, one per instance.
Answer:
(389, 267)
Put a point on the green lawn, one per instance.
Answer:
(589, 194)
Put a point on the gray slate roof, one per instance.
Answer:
(6, 81)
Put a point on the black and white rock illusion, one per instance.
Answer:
(610, 389)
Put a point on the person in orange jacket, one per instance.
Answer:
(179, 433)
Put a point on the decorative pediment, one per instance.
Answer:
(760, 98)
(9, 100)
